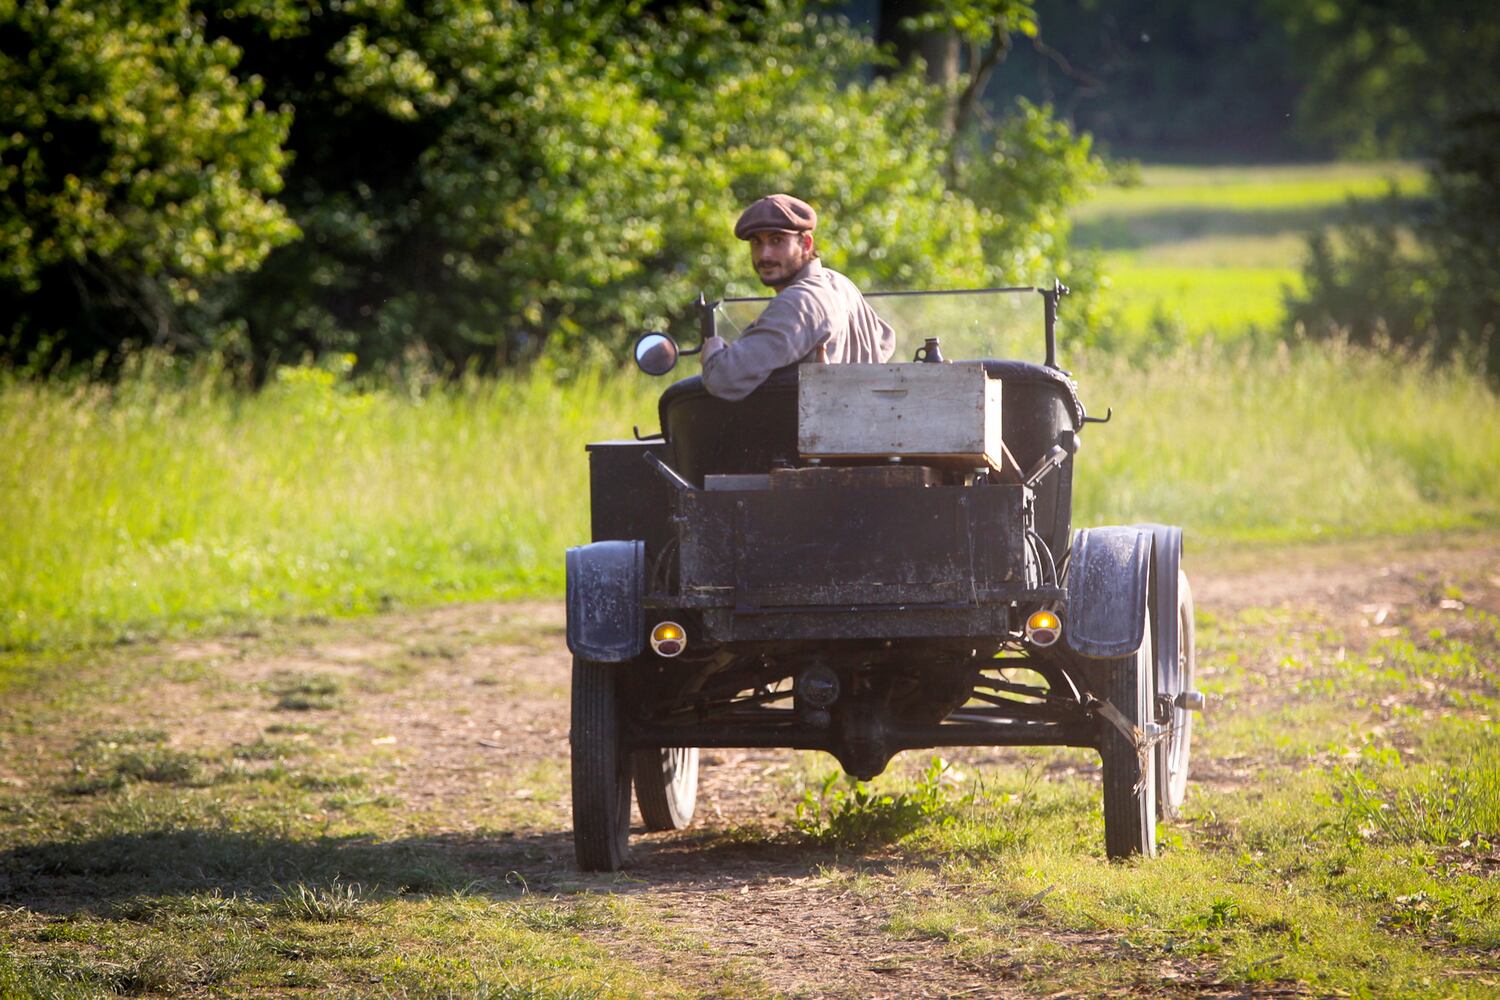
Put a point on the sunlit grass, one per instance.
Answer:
(1296, 444)
(1244, 188)
(1195, 252)
(156, 506)
(153, 504)
(1203, 301)
(1349, 856)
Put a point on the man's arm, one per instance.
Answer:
(790, 328)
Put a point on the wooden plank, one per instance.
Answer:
(947, 414)
(840, 476)
(737, 481)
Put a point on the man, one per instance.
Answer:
(817, 314)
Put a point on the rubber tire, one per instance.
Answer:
(1129, 815)
(666, 786)
(1174, 756)
(601, 770)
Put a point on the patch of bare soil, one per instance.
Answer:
(461, 715)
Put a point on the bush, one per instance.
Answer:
(1422, 279)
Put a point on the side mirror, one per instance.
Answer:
(656, 353)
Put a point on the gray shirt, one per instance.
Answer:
(820, 308)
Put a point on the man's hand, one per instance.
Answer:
(713, 345)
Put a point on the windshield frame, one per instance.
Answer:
(709, 307)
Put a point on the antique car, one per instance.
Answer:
(866, 559)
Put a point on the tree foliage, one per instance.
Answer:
(1423, 75)
(1428, 283)
(136, 169)
(1391, 76)
(484, 180)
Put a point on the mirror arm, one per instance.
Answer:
(706, 326)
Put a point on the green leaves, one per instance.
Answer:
(131, 145)
(977, 20)
(484, 182)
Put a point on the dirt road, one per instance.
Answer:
(458, 719)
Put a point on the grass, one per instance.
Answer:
(1195, 252)
(167, 505)
(217, 852)
(1306, 443)
(160, 505)
(1341, 837)
(1354, 860)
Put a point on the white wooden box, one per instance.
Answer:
(946, 414)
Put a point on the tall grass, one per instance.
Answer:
(160, 503)
(164, 503)
(1291, 444)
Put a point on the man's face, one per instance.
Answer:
(778, 255)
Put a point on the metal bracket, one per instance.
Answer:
(668, 473)
(1144, 740)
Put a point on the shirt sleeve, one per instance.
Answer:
(792, 325)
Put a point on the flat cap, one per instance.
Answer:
(780, 212)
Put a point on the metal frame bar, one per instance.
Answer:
(793, 734)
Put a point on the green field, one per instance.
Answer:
(158, 505)
(1193, 252)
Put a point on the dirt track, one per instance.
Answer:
(462, 712)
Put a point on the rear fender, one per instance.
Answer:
(606, 619)
(1109, 580)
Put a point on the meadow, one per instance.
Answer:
(172, 502)
(1189, 253)
(378, 808)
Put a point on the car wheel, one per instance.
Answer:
(1129, 775)
(666, 786)
(601, 770)
(1174, 753)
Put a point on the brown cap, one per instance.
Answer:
(780, 212)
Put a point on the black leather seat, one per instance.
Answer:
(712, 436)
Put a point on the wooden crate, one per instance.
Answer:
(938, 414)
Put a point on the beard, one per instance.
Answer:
(780, 274)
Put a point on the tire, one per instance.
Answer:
(601, 770)
(1129, 787)
(666, 786)
(1174, 754)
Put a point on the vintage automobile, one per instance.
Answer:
(865, 559)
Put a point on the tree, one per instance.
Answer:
(1424, 283)
(484, 181)
(1389, 76)
(517, 178)
(959, 43)
(136, 172)
(1419, 76)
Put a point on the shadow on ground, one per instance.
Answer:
(96, 875)
(1139, 229)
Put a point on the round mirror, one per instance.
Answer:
(656, 353)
